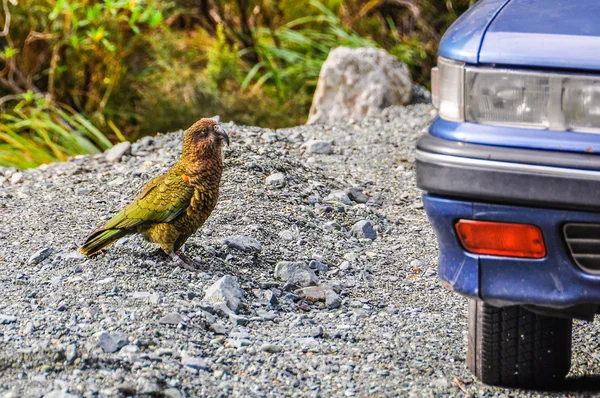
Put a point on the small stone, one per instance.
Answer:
(112, 342)
(218, 328)
(151, 297)
(345, 265)
(276, 180)
(440, 382)
(40, 256)
(332, 299)
(338, 197)
(243, 243)
(6, 319)
(312, 293)
(317, 331)
(59, 394)
(429, 273)
(105, 280)
(173, 318)
(127, 389)
(287, 235)
(318, 266)
(296, 273)
(16, 178)
(115, 153)
(363, 230)
(238, 320)
(71, 352)
(332, 226)
(172, 393)
(145, 386)
(83, 191)
(271, 348)
(318, 146)
(356, 195)
(196, 363)
(226, 289)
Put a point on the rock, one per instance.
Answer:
(287, 234)
(218, 328)
(226, 289)
(196, 363)
(338, 197)
(429, 273)
(243, 243)
(71, 352)
(115, 153)
(173, 318)
(332, 226)
(318, 266)
(105, 281)
(6, 319)
(39, 256)
(296, 273)
(363, 230)
(420, 95)
(16, 178)
(151, 297)
(270, 348)
(318, 146)
(317, 331)
(276, 180)
(172, 393)
(354, 83)
(111, 342)
(312, 293)
(332, 299)
(59, 394)
(145, 386)
(356, 195)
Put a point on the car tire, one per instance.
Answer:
(514, 347)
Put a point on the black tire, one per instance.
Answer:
(514, 347)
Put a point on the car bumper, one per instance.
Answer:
(479, 182)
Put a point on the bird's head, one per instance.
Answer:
(204, 137)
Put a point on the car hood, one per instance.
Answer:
(541, 33)
(554, 34)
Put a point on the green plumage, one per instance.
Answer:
(171, 207)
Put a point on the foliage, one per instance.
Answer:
(108, 70)
(39, 131)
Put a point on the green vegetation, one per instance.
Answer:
(76, 75)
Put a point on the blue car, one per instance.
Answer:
(511, 174)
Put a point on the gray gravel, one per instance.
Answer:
(126, 322)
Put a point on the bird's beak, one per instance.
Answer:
(220, 131)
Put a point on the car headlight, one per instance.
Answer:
(520, 98)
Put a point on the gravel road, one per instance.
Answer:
(319, 277)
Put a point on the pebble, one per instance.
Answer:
(356, 195)
(312, 293)
(332, 299)
(112, 342)
(172, 393)
(296, 273)
(271, 348)
(318, 146)
(317, 331)
(338, 197)
(196, 363)
(226, 289)
(243, 243)
(39, 256)
(71, 352)
(276, 180)
(6, 319)
(363, 230)
(16, 178)
(115, 153)
(173, 318)
(318, 266)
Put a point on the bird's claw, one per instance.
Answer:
(184, 261)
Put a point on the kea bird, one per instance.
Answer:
(172, 206)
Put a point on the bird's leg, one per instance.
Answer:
(184, 261)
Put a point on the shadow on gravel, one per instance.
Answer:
(583, 386)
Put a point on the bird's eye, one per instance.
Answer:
(203, 130)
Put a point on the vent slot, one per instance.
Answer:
(583, 241)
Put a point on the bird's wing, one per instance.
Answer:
(162, 200)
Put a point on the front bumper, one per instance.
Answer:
(543, 188)
(553, 281)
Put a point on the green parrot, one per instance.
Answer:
(172, 206)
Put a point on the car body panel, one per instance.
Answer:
(462, 40)
(553, 282)
(539, 33)
(516, 137)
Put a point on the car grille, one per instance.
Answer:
(583, 241)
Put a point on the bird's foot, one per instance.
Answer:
(184, 261)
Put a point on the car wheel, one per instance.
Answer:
(512, 346)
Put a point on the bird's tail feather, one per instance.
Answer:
(100, 239)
